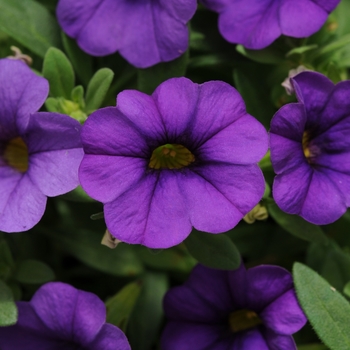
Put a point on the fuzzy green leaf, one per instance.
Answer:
(59, 72)
(98, 88)
(215, 251)
(325, 308)
(30, 23)
(8, 309)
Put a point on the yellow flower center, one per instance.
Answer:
(241, 320)
(305, 143)
(170, 156)
(16, 154)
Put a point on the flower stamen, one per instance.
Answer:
(170, 156)
(242, 320)
(16, 154)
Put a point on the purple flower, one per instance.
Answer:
(257, 23)
(238, 310)
(39, 152)
(185, 156)
(310, 150)
(145, 32)
(62, 317)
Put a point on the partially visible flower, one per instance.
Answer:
(39, 152)
(287, 83)
(259, 212)
(256, 24)
(240, 309)
(62, 317)
(310, 150)
(145, 32)
(184, 157)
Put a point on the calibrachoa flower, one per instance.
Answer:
(39, 152)
(62, 317)
(257, 23)
(185, 156)
(145, 32)
(310, 150)
(238, 310)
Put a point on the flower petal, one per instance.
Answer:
(189, 303)
(265, 284)
(110, 337)
(284, 315)
(301, 18)
(250, 339)
(259, 20)
(22, 204)
(74, 315)
(108, 132)
(277, 341)
(189, 336)
(22, 92)
(244, 141)
(29, 333)
(150, 213)
(105, 178)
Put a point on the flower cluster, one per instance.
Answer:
(240, 309)
(62, 317)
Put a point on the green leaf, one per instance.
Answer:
(313, 347)
(268, 55)
(296, 225)
(33, 272)
(5, 253)
(77, 95)
(325, 308)
(98, 88)
(8, 309)
(59, 72)
(148, 79)
(86, 246)
(301, 49)
(81, 61)
(346, 290)
(213, 250)
(146, 319)
(120, 306)
(30, 23)
(52, 104)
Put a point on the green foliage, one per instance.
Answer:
(30, 23)
(98, 88)
(325, 308)
(148, 79)
(213, 250)
(120, 306)
(147, 315)
(59, 72)
(296, 225)
(33, 272)
(8, 309)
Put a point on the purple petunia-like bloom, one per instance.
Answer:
(310, 150)
(61, 317)
(257, 23)
(183, 157)
(237, 310)
(145, 32)
(39, 152)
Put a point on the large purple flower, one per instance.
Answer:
(257, 23)
(145, 32)
(185, 156)
(39, 152)
(61, 317)
(238, 310)
(310, 150)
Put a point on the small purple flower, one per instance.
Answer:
(39, 152)
(257, 23)
(62, 317)
(310, 150)
(238, 310)
(145, 32)
(184, 157)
